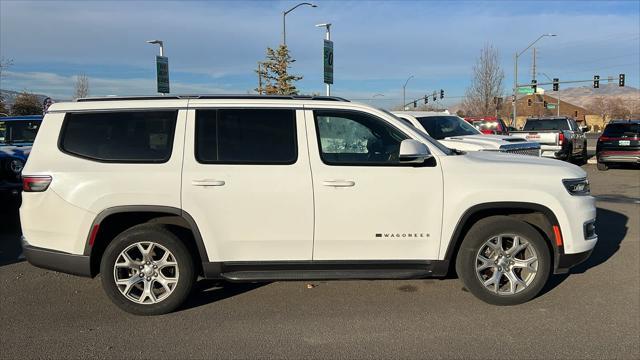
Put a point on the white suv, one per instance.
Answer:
(455, 133)
(153, 192)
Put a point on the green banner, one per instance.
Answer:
(162, 66)
(328, 62)
(551, 106)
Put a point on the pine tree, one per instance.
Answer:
(274, 72)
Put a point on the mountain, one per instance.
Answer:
(9, 97)
(582, 95)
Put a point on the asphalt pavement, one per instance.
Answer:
(594, 312)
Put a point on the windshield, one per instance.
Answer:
(431, 140)
(18, 131)
(546, 124)
(440, 127)
(621, 130)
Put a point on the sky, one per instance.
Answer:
(214, 46)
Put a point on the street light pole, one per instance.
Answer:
(284, 20)
(404, 90)
(328, 38)
(161, 44)
(515, 76)
(158, 42)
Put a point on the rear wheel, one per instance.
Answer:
(503, 261)
(602, 166)
(147, 270)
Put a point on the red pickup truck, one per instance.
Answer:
(489, 125)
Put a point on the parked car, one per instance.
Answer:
(619, 143)
(16, 137)
(559, 137)
(152, 192)
(489, 125)
(455, 133)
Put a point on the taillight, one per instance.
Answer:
(604, 138)
(561, 138)
(35, 183)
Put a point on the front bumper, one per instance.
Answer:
(567, 261)
(57, 260)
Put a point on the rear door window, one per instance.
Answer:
(547, 124)
(246, 136)
(127, 136)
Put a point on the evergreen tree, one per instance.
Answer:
(274, 72)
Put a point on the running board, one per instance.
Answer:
(324, 270)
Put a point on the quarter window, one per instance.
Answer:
(354, 138)
(246, 136)
(131, 136)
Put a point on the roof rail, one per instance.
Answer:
(224, 96)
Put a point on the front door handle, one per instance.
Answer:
(207, 182)
(339, 183)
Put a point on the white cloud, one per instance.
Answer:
(62, 87)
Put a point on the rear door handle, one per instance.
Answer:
(207, 182)
(339, 183)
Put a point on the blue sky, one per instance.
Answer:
(213, 46)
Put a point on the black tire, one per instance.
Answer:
(474, 241)
(602, 166)
(164, 238)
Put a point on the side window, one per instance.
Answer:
(246, 136)
(354, 138)
(126, 137)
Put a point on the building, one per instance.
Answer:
(533, 106)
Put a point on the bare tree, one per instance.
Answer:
(486, 84)
(81, 87)
(609, 108)
(4, 65)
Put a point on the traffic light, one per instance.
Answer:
(545, 104)
(435, 96)
(426, 99)
(529, 102)
(621, 80)
(534, 86)
(441, 94)
(556, 85)
(596, 81)
(415, 104)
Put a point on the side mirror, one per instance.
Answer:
(413, 152)
(584, 128)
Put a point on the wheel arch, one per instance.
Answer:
(536, 215)
(112, 221)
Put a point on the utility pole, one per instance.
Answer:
(533, 73)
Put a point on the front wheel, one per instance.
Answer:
(503, 261)
(602, 166)
(147, 270)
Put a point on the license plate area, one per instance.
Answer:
(624, 142)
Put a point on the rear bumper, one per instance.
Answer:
(554, 151)
(58, 261)
(619, 156)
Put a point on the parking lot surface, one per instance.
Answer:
(594, 312)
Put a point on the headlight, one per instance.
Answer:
(577, 186)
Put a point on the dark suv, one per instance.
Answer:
(16, 138)
(619, 143)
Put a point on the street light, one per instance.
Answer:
(328, 38)
(404, 88)
(515, 77)
(159, 42)
(284, 20)
(374, 96)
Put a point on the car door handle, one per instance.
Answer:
(339, 183)
(207, 182)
